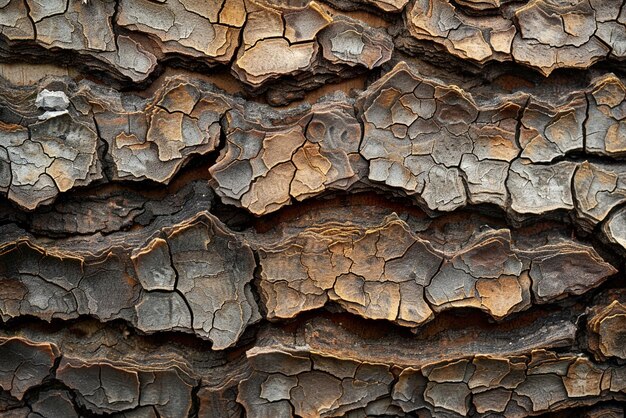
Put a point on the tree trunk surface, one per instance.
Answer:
(312, 208)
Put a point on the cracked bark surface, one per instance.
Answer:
(329, 208)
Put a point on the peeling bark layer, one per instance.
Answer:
(355, 208)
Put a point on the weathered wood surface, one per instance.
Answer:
(269, 208)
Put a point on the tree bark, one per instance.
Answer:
(355, 208)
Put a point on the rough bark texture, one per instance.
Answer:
(271, 208)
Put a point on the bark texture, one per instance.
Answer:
(327, 208)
